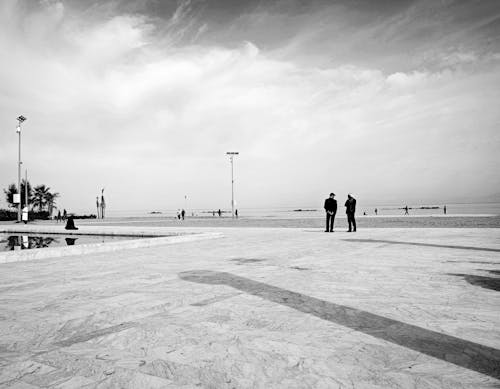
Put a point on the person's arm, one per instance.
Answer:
(334, 207)
(326, 202)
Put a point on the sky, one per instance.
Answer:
(393, 101)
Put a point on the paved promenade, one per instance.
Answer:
(260, 308)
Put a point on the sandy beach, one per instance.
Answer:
(437, 221)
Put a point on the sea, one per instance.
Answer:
(313, 212)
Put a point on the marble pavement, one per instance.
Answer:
(260, 308)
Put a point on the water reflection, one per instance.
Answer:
(70, 241)
(23, 242)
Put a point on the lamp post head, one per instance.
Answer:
(232, 153)
(20, 119)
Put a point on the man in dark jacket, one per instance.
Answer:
(331, 210)
(350, 209)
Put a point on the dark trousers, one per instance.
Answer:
(351, 221)
(329, 221)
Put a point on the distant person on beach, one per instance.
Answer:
(103, 204)
(219, 212)
(376, 211)
(330, 209)
(98, 205)
(178, 214)
(183, 214)
(236, 213)
(444, 209)
(406, 210)
(213, 213)
(70, 224)
(350, 210)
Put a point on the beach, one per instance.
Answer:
(431, 221)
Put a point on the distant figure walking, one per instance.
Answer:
(330, 209)
(183, 214)
(25, 214)
(376, 211)
(179, 214)
(103, 204)
(65, 215)
(70, 224)
(444, 209)
(236, 213)
(59, 218)
(219, 212)
(98, 205)
(406, 210)
(350, 210)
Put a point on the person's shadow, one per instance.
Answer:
(473, 356)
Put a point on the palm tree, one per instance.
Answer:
(50, 199)
(40, 196)
(12, 189)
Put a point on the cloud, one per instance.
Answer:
(117, 102)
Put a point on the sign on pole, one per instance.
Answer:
(17, 198)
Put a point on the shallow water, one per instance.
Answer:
(11, 241)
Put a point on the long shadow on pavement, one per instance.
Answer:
(448, 348)
(423, 244)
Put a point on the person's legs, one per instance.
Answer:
(327, 222)
(332, 222)
(353, 222)
(349, 222)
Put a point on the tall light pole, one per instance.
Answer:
(231, 156)
(20, 119)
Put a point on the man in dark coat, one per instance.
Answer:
(331, 210)
(350, 210)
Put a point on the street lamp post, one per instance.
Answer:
(20, 119)
(231, 156)
(26, 191)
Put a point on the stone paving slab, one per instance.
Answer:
(261, 308)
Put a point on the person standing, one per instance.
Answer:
(350, 210)
(103, 204)
(406, 210)
(65, 214)
(219, 212)
(330, 209)
(183, 214)
(444, 209)
(376, 211)
(98, 205)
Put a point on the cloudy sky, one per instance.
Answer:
(394, 101)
